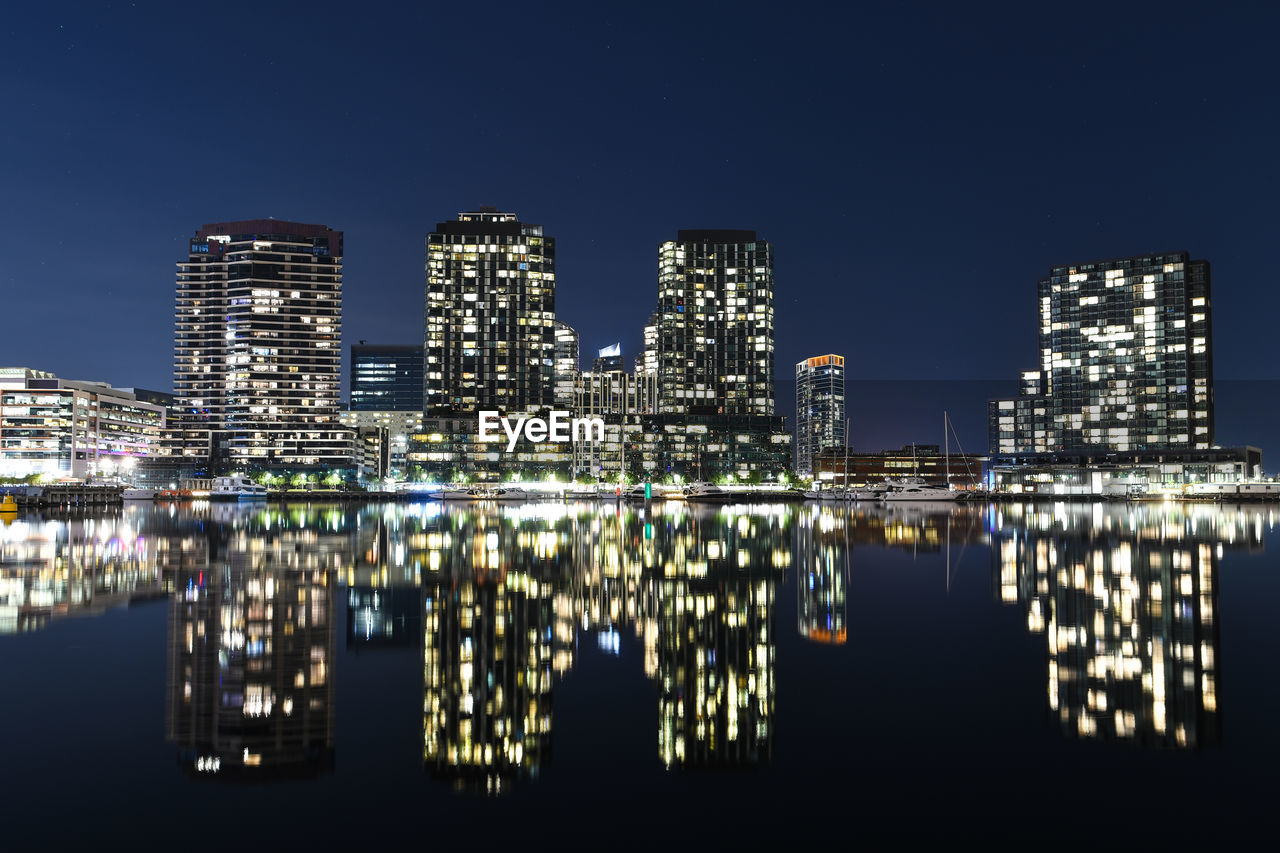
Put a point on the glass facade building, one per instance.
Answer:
(490, 315)
(257, 346)
(819, 408)
(386, 378)
(63, 428)
(1126, 361)
(712, 343)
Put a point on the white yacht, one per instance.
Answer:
(509, 496)
(471, 493)
(870, 492)
(237, 488)
(140, 494)
(915, 489)
(707, 493)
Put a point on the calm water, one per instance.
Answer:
(584, 676)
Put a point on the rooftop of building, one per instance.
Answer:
(488, 221)
(384, 349)
(822, 361)
(715, 235)
(250, 228)
(1129, 260)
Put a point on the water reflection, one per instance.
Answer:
(251, 644)
(498, 601)
(50, 569)
(1126, 598)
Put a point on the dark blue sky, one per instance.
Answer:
(917, 168)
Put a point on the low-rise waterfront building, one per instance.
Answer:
(64, 428)
(926, 461)
(1102, 472)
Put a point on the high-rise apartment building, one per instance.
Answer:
(257, 346)
(566, 363)
(490, 315)
(386, 378)
(819, 408)
(1126, 361)
(713, 336)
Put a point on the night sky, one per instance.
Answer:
(916, 168)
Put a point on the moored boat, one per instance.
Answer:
(237, 488)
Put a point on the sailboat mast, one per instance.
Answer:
(846, 457)
(946, 443)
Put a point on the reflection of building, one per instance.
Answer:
(256, 353)
(1126, 361)
(819, 408)
(821, 552)
(1128, 605)
(714, 643)
(251, 645)
(378, 617)
(72, 429)
(715, 671)
(52, 569)
(489, 649)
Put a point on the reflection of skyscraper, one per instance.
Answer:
(489, 650)
(1129, 618)
(715, 643)
(487, 675)
(251, 644)
(715, 672)
(820, 587)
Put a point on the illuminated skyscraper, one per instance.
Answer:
(490, 315)
(257, 346)
(819, 408)
(1126, 361)
(566, 358)
(713, 342)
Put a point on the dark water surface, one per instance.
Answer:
(587, 676)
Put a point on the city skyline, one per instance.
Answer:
(838, 165)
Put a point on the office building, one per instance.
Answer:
(386, 378)
(257, 346)
(713, 332)
(62, 428)
(1126, 361)
(820, 422)
(490, 315)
